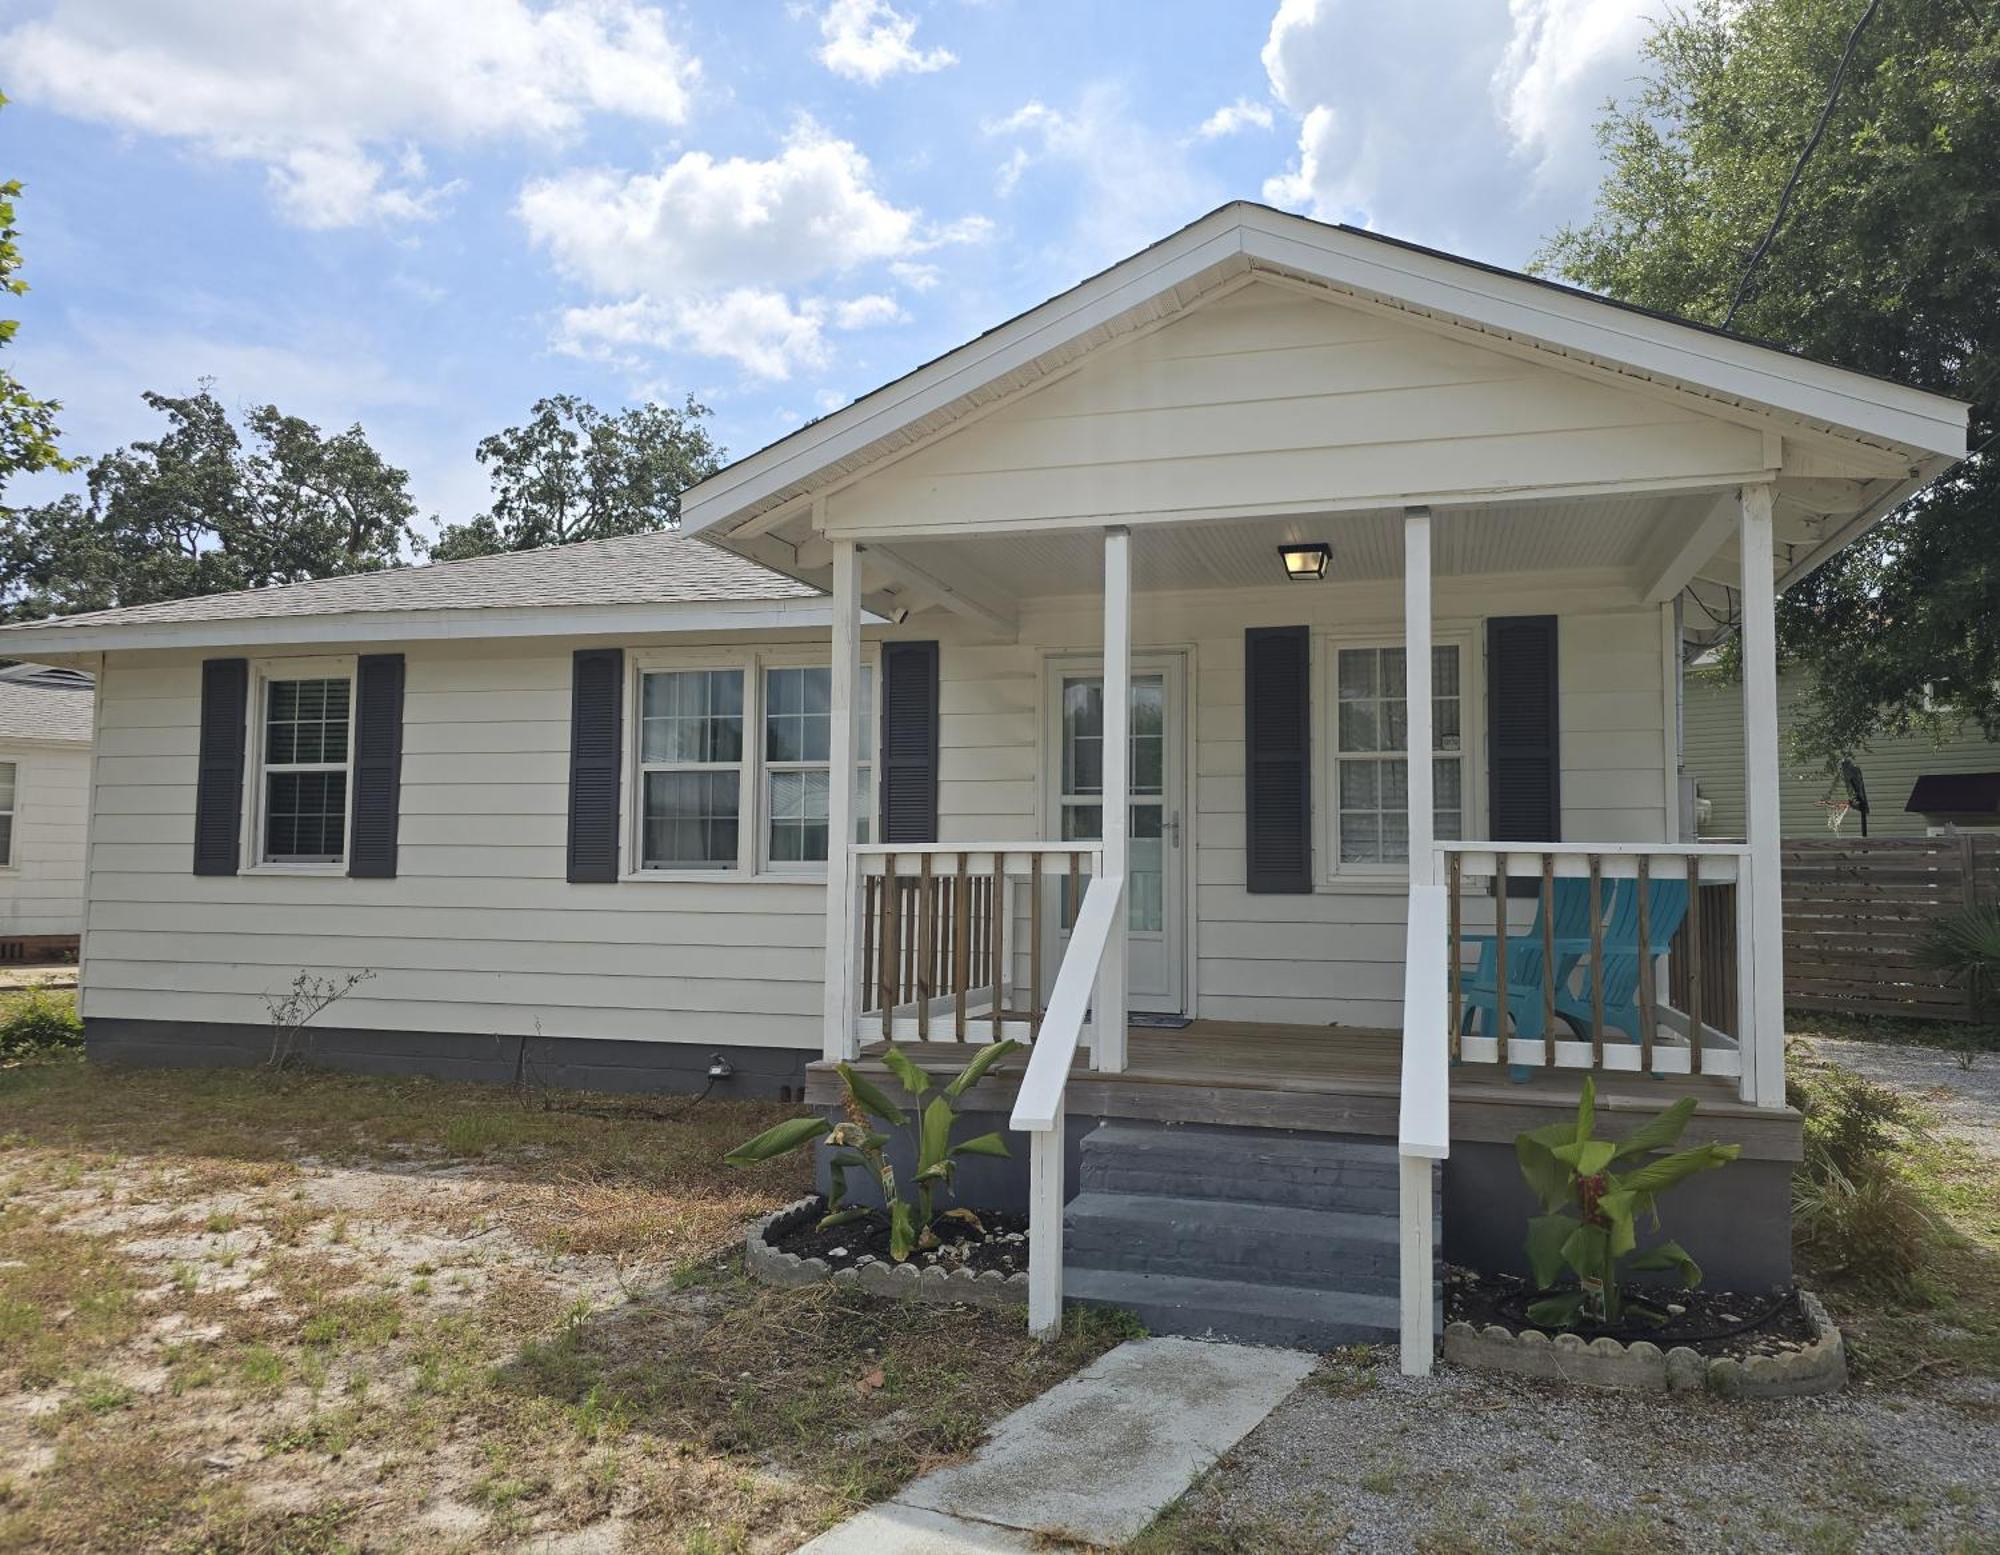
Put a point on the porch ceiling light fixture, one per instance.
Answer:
(1306, 562)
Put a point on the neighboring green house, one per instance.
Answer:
(1712, 754)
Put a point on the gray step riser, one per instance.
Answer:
(1300, 1333)
(1363, 1190)
(1339, 1263)
(1218, 1310)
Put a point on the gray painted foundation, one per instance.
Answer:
(562, 1063)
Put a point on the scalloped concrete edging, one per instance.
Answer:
(944, 1287)
(1605, 1363)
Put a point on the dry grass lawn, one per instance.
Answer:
(299, 1313)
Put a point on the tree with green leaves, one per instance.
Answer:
(27, 424)
(574, 472)
(200, 510)
(1887, 260)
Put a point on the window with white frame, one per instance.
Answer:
(706, 794)
(303, 749)
(1371, 765)
(9, 792)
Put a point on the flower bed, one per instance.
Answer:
(1742, 1346)
(986, 1267)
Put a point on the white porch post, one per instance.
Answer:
(1109, 1049)
(1763, 1039)
(843, 740)
(1417, 1272)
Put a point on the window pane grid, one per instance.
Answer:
(7, 790)
(304, 757)
(1371, 766)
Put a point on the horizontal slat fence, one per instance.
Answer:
(1857, 909)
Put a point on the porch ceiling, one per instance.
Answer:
(1597, 534)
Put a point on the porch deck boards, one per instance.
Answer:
(1337, 1079)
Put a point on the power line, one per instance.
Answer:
(1805, 156)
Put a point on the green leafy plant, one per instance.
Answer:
(1589, 1220)
(861, 1144)
(39, 1021)
(1856, 1216)
(1966, 948)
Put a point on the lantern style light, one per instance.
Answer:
(1304, 563)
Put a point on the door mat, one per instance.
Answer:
(1147, 1020)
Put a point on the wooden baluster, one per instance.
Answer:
(1500, 955)
(1596, 961)
(1075, 890)
(1693, 933)
(996, 916)
(961, 942)
(892, 912)
(1549, 958)
(1034, 945)
(926, 944)
(1454, 936)
(1645, 962)
(870, 905)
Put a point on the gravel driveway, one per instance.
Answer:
(1362, 1459)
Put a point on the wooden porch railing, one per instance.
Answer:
(951, 939)
(1621, 957)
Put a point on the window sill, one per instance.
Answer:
(719, 876)
(1364, 885)
(324, 871)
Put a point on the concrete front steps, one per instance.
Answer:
(1256, 1235)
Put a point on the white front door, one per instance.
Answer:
(1155, 877)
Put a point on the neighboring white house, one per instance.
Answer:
(1105, 638)
(44, 808)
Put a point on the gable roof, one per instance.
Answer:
(663, 571)
(37, 703)
(1585, 332)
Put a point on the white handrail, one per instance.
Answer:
(1042, 1086)
(1038, 1104)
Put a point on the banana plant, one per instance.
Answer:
(1589, 1223)
(860, 1143)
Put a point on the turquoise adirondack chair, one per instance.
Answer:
(1625, 961)
(1479, 991)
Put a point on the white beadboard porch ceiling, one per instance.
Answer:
(1582, 534)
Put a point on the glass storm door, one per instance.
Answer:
(1154, 877)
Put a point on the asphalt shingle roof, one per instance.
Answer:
(654, 569)
(35, 705)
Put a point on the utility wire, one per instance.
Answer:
(1805, 156)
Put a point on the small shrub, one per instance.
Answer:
(1855, 1214)
(40, 1021)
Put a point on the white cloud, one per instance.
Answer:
(869, 40)
(915, 275)
(1421, 120)
(327, 95)
(1127, 183)
(1231, 118)
(717, 256)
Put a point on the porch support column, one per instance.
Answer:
(1417, 1211)
(843, 741)
(1417, 687)
(1109, 1051)
(1763, 1041)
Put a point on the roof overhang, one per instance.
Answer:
(1912, 435)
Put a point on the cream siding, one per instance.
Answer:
(1890, 765)
(1269, 400)
(41, 889)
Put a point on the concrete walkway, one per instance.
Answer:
(1093, 1460)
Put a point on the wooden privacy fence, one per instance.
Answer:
(1856, 911)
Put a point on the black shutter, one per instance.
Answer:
(1277, 759)
(596, 751)
(908, 773)
(1523, 738)
(378, 765)
(218, 794)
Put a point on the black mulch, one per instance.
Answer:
(999, 1242)
(1709, 1322)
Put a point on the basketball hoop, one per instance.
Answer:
(1836, 811)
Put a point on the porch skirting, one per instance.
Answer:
(566, 1063)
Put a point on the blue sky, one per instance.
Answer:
(423, 214)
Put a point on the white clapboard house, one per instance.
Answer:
(44, 801)
(1067, 689)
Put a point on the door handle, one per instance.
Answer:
(1174, 827)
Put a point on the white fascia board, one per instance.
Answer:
(1604, 331)
(623, 620)
(1213, 241)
